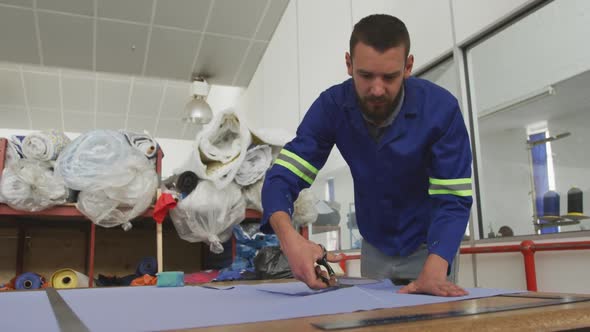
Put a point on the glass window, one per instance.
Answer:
(529, 86)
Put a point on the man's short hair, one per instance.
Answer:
(381, 32)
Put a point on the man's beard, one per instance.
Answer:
(378, 113)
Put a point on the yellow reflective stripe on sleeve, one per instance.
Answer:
(457, 187)
(294, 169)
(450, 192)
(445, 182)
(300, 160)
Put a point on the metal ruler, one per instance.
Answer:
(549, 300)
(66, 318)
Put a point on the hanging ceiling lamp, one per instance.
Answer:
(198, 110)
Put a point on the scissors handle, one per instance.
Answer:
(324, 262)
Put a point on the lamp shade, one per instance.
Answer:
(198, 111)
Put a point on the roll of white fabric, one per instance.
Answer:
(257, 161)
(30, 185)
(44, 145)
(219, 150)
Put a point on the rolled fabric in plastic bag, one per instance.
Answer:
(187, 182)
(147, 265)
(68, 278)
(28, 280)
(44, 145)
(254, 166)
(304, 208)
(30, 185)
(208, 214)
(116, 182)
(219, 150)
(144, 143)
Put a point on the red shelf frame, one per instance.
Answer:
(62, 212)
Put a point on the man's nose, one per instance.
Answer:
(377, 89)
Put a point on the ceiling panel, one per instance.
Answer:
(109, 121)
(128, 10)
(13, 117)
(139, 124)
(220, 57)
(251, 63)
(42, 90)
(25, 3)
(68, 40)
(186, 14)
(78, 94)
(78, 122)
(113, 97)
(237, 18)
(172, 53)
(176, 97)
(11, 90)
(145, 99)
(43, 120)
(120, 47)
(272, 19)
(171, 128)
(17, 33)
(82, 7)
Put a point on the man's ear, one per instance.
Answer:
(348, 63)
(409, 65)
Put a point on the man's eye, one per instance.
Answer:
(389, 77)
(366, 75)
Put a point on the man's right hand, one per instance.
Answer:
(301, 253)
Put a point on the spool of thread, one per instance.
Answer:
(575, 202)
(28, 280)
(147, 265)
(68, 278)
(551, 204)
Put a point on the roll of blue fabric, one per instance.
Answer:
(28, 280)
(147, 265)
(551, 204)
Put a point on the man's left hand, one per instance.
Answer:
(433, 281)
(433, 287)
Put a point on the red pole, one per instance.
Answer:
(91, 254)
(528, 252)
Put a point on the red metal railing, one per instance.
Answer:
(526, 247)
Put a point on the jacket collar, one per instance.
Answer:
(399, 127)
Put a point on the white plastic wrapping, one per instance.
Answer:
(116, 182)
(30, 185)
(220, 149)
(258, 159)
(253, 195)
(44, 145)
(208, 214)
(305, 211)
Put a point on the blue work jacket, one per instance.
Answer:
(411, 187)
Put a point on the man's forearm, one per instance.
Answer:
(281, 224)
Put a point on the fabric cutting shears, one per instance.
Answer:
(331, 281)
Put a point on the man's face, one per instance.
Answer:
(378, 78)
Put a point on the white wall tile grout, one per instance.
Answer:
(95, 98)
(14, 6)
(129, 97)
(61, 100)
(94, 33)
(38, 33)
(160, 107)
(149, 37)
(27, 107)
(240, 67)
(209, 11)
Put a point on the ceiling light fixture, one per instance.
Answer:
(198, 110)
